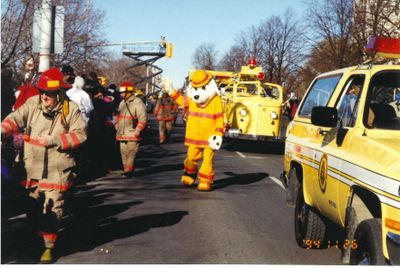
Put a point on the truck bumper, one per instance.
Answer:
(393, 247)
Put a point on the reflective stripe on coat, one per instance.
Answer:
(131, 122)
(56, 161)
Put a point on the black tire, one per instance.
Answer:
(369, 243)
(308, 225)
(292, 189)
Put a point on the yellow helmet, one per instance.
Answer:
(102, 80)
(200, 78)
(139, 92)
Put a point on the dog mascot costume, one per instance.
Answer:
(204, 127)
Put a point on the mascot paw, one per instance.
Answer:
(215, 142)
(167, 85)
(187, 180)
(204, 185)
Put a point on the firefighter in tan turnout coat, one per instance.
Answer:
(131, 121)
(53, 126)
(165, 112)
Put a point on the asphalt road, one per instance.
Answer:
(153, 219)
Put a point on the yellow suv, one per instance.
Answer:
(342, 160)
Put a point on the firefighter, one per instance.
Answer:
(165, 112)
(53, 126)
(290, 106)
(131, 121)
(139, 94)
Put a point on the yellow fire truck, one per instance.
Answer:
(342, 159)
(252, 107)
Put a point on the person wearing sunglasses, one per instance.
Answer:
(53, 127)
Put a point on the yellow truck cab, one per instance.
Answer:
(342, 160)
(252, 107)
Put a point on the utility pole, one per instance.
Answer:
(45, 36)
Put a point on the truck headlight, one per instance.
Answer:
(274, 115)
(243, 112)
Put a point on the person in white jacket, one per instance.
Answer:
(80, 97)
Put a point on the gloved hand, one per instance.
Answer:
(136, 133)
(215, 142)
(47, 140)
(167, 85)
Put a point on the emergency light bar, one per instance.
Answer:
(252, 62)
(384, 47)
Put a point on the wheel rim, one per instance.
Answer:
(301, 217)
(364, 258)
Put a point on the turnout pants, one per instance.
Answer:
(129, 150)
(45, 212)
(165, 128)
(206, 170)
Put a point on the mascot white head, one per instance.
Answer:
(202, 88)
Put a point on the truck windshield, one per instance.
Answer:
(319, 94)
(269, 91)
(247, 90)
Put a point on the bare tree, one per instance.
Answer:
(331, 22)
(205, 57)
(16, 23)
(247, 45)
(115, 69)
(340, 30)
(277, 46)
(234, 59)
(82, 34)
(282, 50)
(375, 18)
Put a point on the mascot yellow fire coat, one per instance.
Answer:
(204, 127)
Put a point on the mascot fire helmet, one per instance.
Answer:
(200, 78)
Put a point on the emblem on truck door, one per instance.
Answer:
(323, 172)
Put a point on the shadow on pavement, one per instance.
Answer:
(91, 224)
(254, 146)
(157, 169)
(240, 179)
(90, 231)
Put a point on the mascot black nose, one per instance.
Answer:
(196, 97)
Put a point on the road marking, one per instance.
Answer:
(256, 157)
(241, 155)
(277, 181)
(21, 216)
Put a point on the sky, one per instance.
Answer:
(186, 24)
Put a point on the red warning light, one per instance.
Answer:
(384, 46)
(252, 62)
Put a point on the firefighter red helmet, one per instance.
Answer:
(125, 86)
(50, 80)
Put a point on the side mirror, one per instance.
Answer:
(324, 116)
